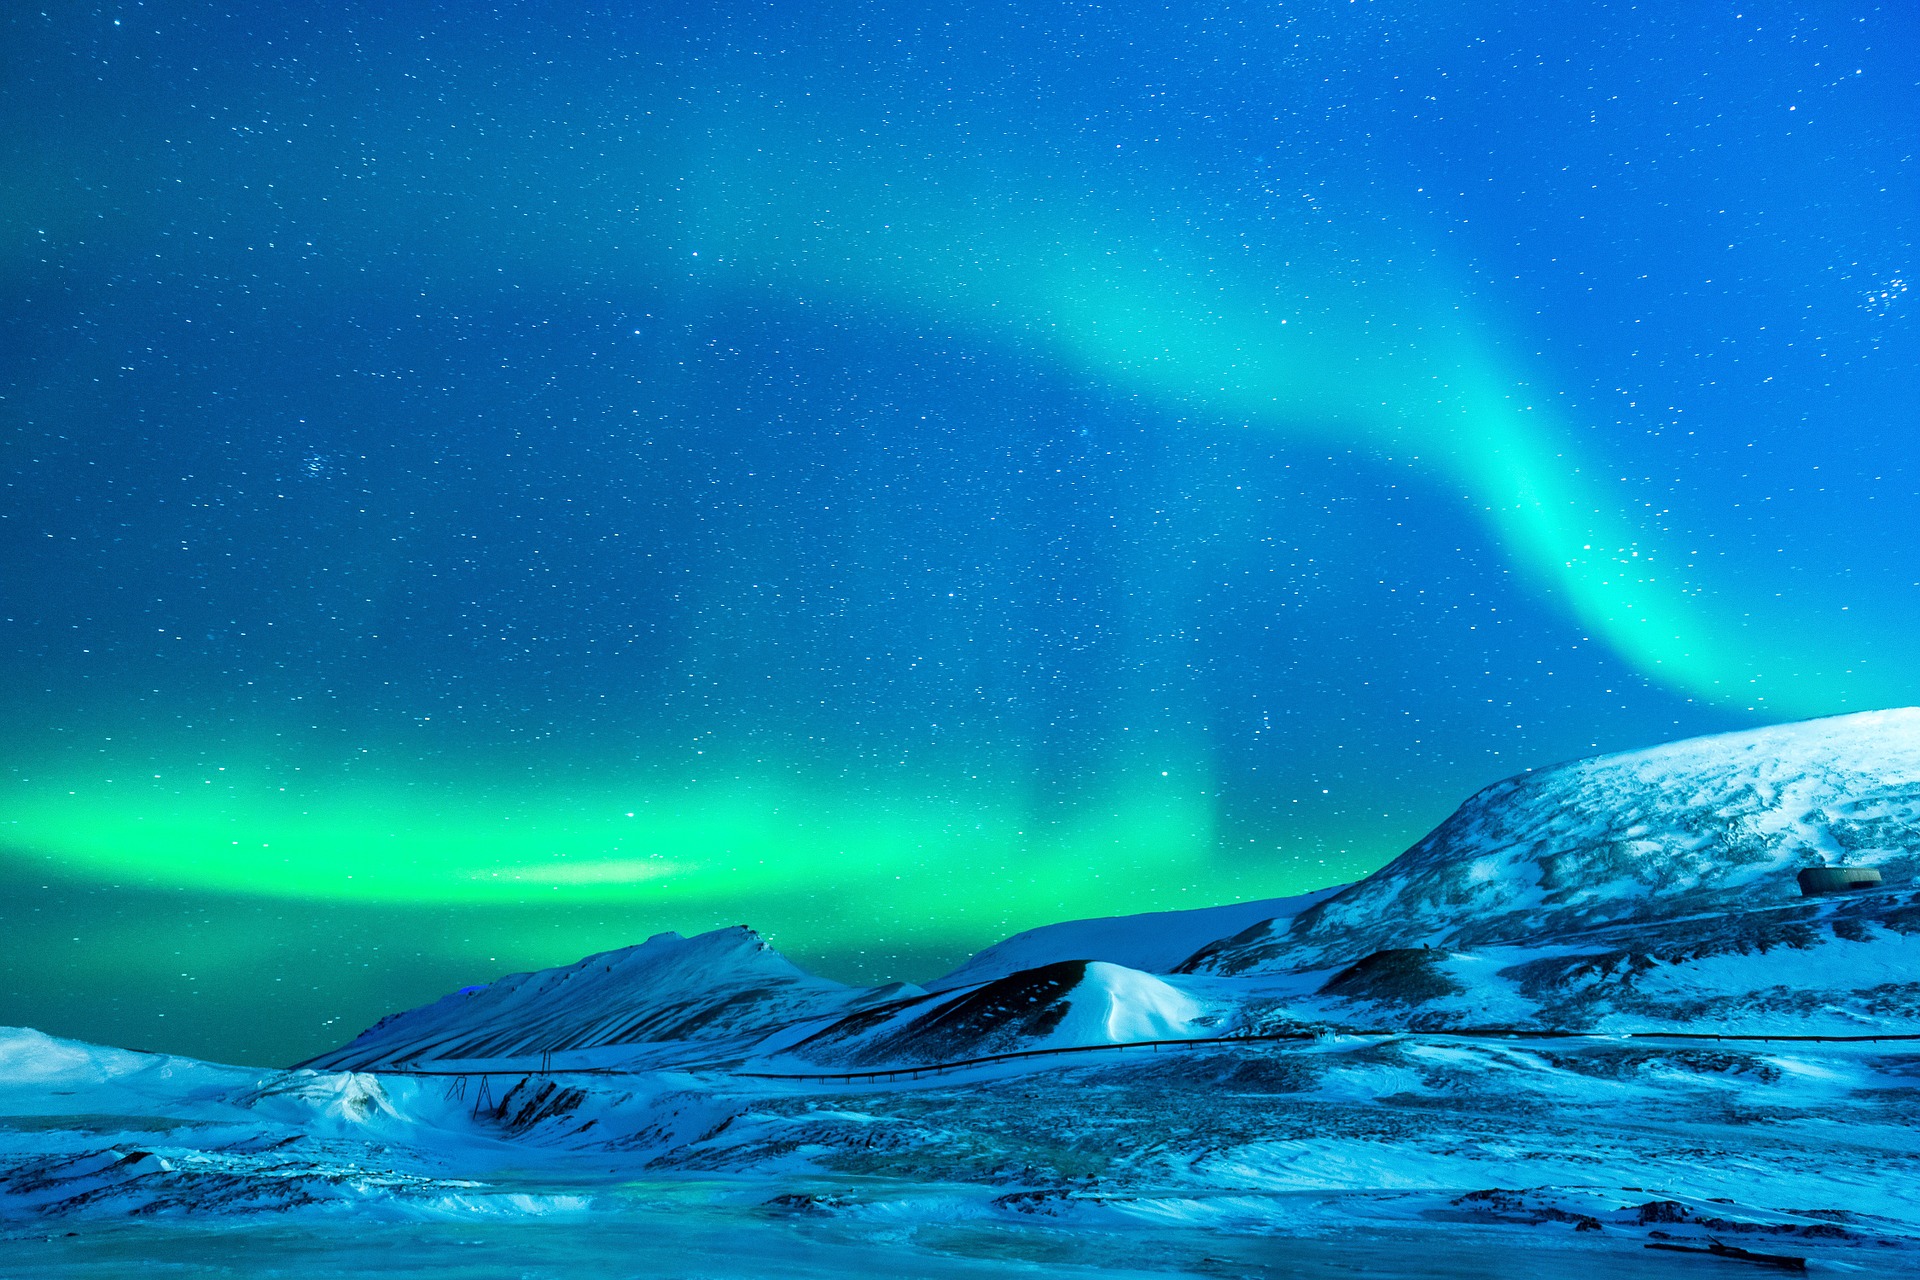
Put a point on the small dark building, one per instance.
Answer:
(1818, 880)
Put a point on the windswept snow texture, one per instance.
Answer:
(1421, 1148)
(1155, 942)
(1710, 825)
(710, 992)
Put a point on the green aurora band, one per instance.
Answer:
(1328, 330)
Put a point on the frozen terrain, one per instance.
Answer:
(1496, 1055)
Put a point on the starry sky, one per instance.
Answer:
(486, 486)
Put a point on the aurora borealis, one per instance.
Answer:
(485, 487)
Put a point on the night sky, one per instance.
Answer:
(486, 486)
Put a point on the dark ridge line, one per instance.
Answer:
(1506, 1033)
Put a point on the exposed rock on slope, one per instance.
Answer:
(1836, 967)
(1069, 1003)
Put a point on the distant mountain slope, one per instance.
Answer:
(1708, 825)
(719, 986)
(1154, 942)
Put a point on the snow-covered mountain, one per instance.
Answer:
(1841, 967)
(669, 996)
(1711, 825)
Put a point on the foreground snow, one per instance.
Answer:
(1396, 1145)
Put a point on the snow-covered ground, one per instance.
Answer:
(1637, 894)
(1406, 1147)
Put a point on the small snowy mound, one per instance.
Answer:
(719, 986)
(1708, 825)
(1062, 1005)
(1155, 942)
(1117, 1005)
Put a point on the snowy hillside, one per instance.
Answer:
(727, 986)
(1709, 825)
(1069, 1002)
(1846, 966)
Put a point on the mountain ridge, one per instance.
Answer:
(1632, 890)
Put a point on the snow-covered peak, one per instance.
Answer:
(715, 986)
(1709, 824)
